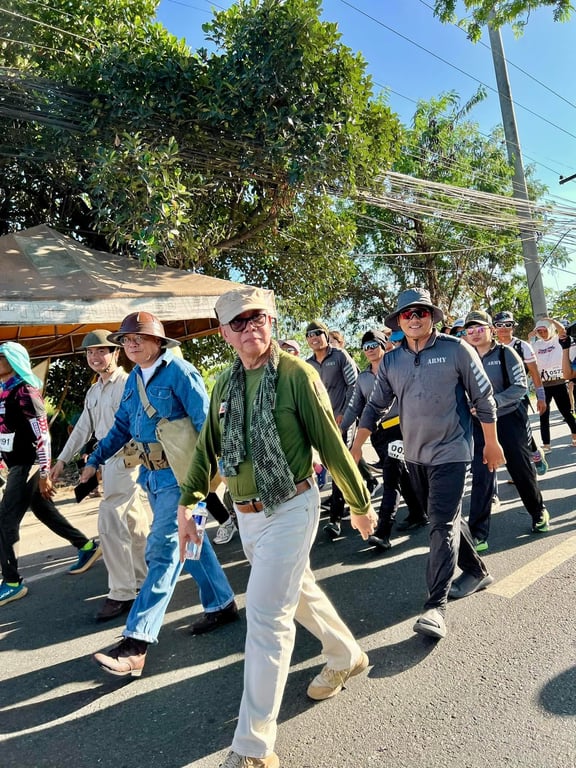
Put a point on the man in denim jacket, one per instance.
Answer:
(175, 389)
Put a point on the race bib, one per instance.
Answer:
(7, 442)
(396, 449)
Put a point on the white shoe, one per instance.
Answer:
(225, 533)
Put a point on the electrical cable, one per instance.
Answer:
(454, 66)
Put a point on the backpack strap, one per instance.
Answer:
(505, 376)
(148, 407)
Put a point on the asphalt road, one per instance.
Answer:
(499, 691)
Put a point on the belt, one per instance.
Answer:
(157, 463)
(152, 456)
(255, 505)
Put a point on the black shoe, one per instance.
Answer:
(412, 525)
(212, 621)
(380, 542)
(333, 530)
(113, 608)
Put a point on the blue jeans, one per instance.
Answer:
(162, 557)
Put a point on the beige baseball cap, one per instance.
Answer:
(234, 303)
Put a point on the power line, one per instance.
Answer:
(511, 63)
(49, 26)
(195, 7)
(178, 2)
(453, 66)
(51, 8)
(36, 45)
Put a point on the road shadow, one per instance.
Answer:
(558, 696)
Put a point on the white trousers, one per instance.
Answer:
(281, 588)
(123, 526)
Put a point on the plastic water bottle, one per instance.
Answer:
(200, 516)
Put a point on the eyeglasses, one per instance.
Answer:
(420, 312)
(311, 334)
(370, 345)
(507, 324)
(135, 339)
(238, 324)
(475, 329)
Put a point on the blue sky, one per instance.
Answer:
(409, 52)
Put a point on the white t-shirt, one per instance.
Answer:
(527, 355)
(549, 359)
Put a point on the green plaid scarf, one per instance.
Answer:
(272, 473)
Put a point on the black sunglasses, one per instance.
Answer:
(239, 324)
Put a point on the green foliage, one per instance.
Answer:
(462, 265)
(225, 163)
(514, 12)
(565, 305)
(139, 197)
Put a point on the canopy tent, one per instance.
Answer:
(54, 290)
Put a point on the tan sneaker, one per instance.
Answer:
(234, 760)
(331, 681)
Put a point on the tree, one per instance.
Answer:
(515, 12)
(564, 304)
(414, 242)
(227, 162)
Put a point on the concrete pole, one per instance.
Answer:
(520, 192)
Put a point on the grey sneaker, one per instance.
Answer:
(234, 760)
(225, 532)
(331, 681)
(431, 624)
(466, 584)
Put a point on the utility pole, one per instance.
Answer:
(520, 191)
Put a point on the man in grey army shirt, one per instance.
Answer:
(437, 379)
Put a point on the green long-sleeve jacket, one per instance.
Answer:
(304, 420)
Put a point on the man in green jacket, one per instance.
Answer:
(266, 414)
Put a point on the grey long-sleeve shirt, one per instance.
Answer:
(360, 396)
(510, 387)
(435, 389)
(338, 373)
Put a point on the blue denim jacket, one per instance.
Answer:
(176, 389)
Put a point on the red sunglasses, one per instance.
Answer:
(420, 312)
